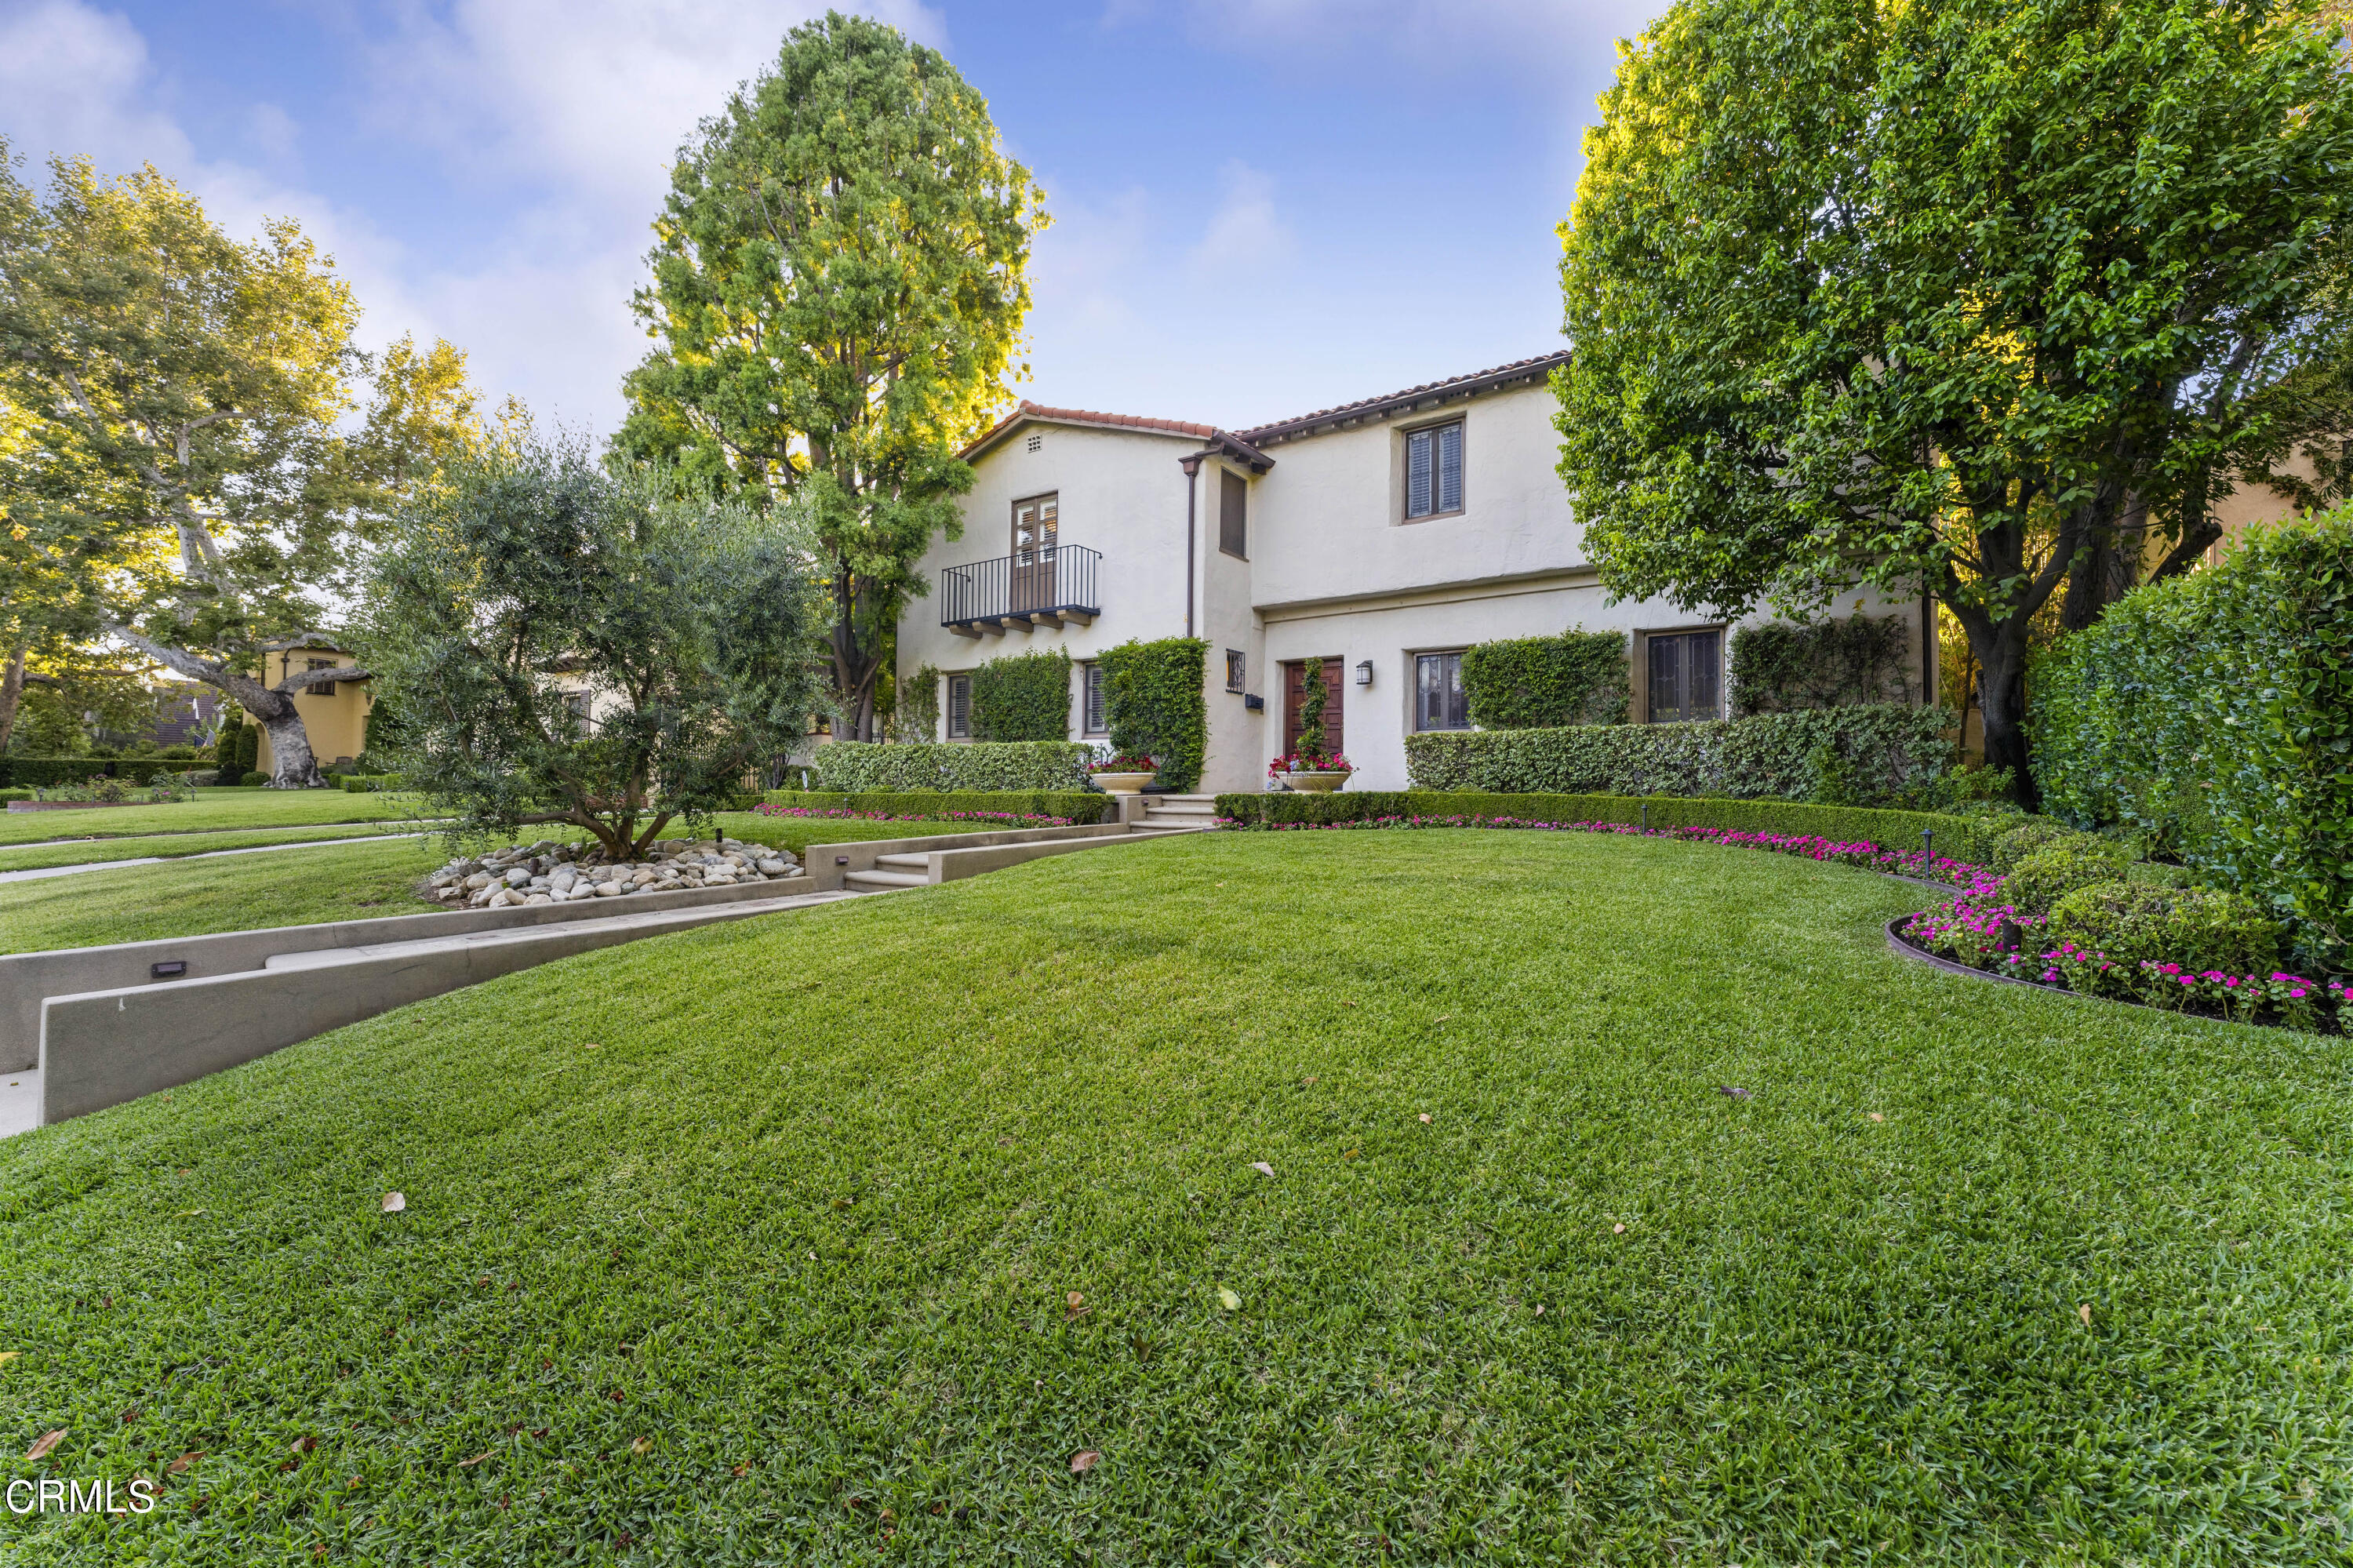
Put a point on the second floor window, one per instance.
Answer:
(1433, 470)
(1233, 514)
(1439, 700)
(959, 707)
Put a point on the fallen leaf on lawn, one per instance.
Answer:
(304, 1444)
(1425, 1119)
(1539, 1308)
(1074, 1299)
(1876, 1117)
(739, 1471)
(2085, 1312)
(1075, 1308)
(1441, 1018)
(1350, 1153)
(40, 1450)
(394, 1202)
(188, 1214)
(190, 1457)
(1619, 1229)
(1731, 1092)
(7, 1356)
(1229, 1300)
(1262, 1167)
(642, 1446)
(1083, 1461)
(1304, 1082)
(470, 1464)
(1348, 1004)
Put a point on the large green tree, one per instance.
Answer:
(839, 288)
(179, 481)
(1982, 296)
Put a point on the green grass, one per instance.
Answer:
(211, 810)
(798, 1205)
(291, 887)
(84, 852)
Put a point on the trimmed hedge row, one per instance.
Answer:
(1577, 677)
(1154, 706)
(40, 772)
(1022, 697)
(1970, 839)
(856, 765)
(2212, 714)
(1080, 807)
(1877, 751)
(369, 783)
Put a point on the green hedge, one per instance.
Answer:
(1022, 697)
(854, 765)
(2212, 714)
(1090, 807)
(1530, 683)
(1969, 839)
(1154, 706)
(238, 747)
(8, 795)
(40, 772)
(1879, 750)
(369, 783)
(1779, 667)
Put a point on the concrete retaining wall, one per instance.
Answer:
(104, 1047)
(27, 978)
(830, 864)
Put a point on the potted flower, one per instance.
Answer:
(1122, 775)
(1307, 766)
(1314, 772)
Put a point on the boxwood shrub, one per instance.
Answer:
(1088, 807)
(1022, 697)
(2212, 714)
(40, 772)
(1966, 839)
(2132, 922)
(1154, 706)
(864, 766)
(2059, 868)
(1882, 750)
(1579, 677)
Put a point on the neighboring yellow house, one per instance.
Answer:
(335, 717)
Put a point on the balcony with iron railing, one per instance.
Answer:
(1045, 587)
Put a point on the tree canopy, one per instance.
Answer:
(565, 646)
(838, 287)
(1979, 295)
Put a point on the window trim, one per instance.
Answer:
(1092, 705)
(1723, 641)
(1237, 669)
(1414, 694)
(1406, 434)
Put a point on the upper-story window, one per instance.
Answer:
(1233, 514)
(1686, 677)
(1035, 522)
(324, 688)
(1433, 470)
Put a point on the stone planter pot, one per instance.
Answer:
(1122, 783)
(1318, 783)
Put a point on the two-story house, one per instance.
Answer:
(1382, 537)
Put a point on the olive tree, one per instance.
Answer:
(1990, 298)
(563, 645)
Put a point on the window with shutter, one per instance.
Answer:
(1686, 682)
(959, 707)
(1433, 470)
(1233, 516)
(1093, 678)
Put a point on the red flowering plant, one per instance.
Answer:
(1122, 764)
(1309, 762)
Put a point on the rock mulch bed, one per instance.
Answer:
(550, 873)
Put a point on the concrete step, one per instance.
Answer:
(883, 880)
(905, 862)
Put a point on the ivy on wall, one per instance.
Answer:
(1153, 703)
(1779, 667)
(1022, 697)
(1529, 683)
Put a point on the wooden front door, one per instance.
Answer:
(1295, 693)
(1034, 524)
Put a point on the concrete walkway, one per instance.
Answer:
(44, 871)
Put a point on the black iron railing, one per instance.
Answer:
(1058, 580)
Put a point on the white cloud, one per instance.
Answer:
(69, 83)
(1532, 36)
(1245, 235)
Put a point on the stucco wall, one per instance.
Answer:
(337, 726)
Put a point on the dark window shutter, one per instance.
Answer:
(1450, 469)
(1703, 675)
(959, 707)
(1417, 474)
(1233, 514)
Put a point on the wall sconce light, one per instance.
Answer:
(1365, 673)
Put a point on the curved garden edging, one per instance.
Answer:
(1896, 944)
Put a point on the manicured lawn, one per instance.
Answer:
(83, 852)
(761, 1243)
(295, 888)
(211, 810)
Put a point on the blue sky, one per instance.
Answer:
(1259, 209)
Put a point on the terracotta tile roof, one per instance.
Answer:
(1029, 411)
(1456, 385)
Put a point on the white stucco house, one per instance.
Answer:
(1383, 536)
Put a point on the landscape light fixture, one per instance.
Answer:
(1365, 673)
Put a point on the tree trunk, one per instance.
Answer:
(291, 765)
(12, 695)
(2001, 705)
